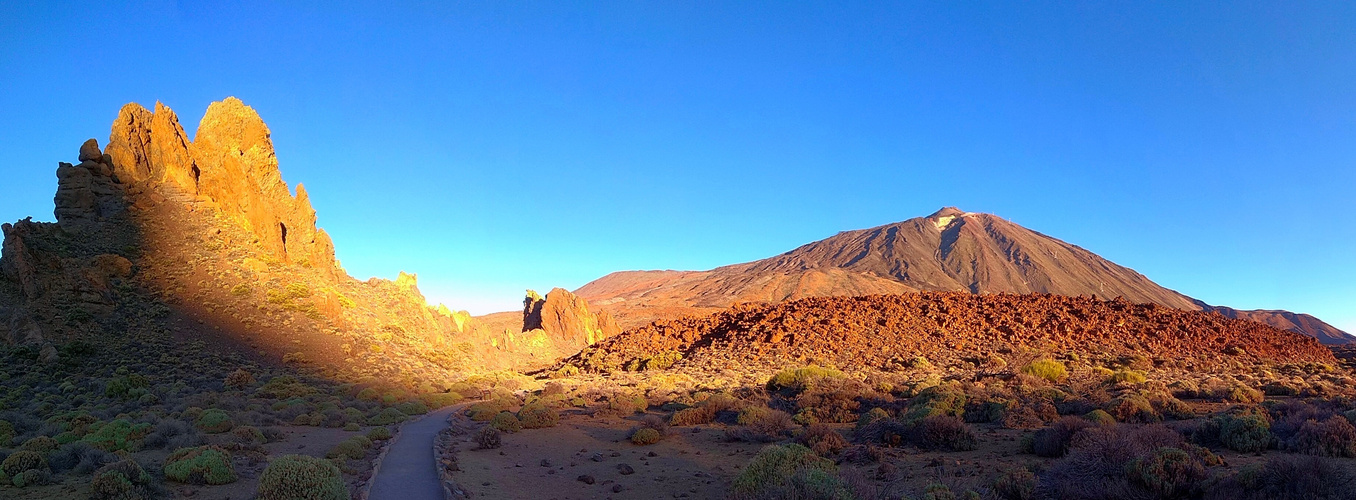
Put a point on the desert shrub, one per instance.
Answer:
(1047, 369)
(871, 416)
(1017, 483)
(33, 477)
(1133, 408)
(79, 457)
(645, 435)
(353, 448)
(387, 416)
(796, 380)
(284, 387)
(763, 426)
(1245, 433)
(214, 421)
(40, 444)
(200, 465)
(1100, 462)
(626, 404)
(943, 432)
(122, 480)
(1054, 441)
(1287, 477)
(21, 461)
(412, 408)
(936, 400)
(538, 416)
(379, 434)
(488, 438)
(6, 433)
(118, 435)
(1173, 408)
(239, 379)
(506, 422)
(1127, 377)
(823, 440)
(353, 427)
(771, 472)
(299, 477)
(1243, 394)
(440, 399)
(831, 400)
(1334, 437)
(484, 411)
(661, 361)
(705, 412)
(1169, 473)
(248, 434)
(1019, 416)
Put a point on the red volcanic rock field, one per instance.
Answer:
(878, 331)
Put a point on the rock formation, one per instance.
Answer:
(566, 319)
(950, 328)
(201, 239)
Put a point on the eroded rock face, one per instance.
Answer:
(230, 164)
(567, 320)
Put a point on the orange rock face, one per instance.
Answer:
(231, 163)
(567, 320)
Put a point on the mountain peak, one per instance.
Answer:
(947, 212)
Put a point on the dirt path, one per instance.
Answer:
(408, 472)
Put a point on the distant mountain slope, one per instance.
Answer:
(950, 250)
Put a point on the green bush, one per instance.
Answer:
(354, 448)
(936, 400)
(299, 477)
(645, 435)
(1100, 417)
(661, 361)
(797, 380)
(412, 408)
(774, 467)
(441, 399)
(1047, 369)
(200, 465)
(214, 421)
(506, 422)
(538, 416)
(40, 444)
(1127, 376)
(379, 434)
(118, 435)
(22, 461)
(6, 433)
(387, 416)
(32, 477)
(1133, 408)
(121, 480)
(872, 416)
(1245, 433)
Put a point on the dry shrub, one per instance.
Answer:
(831, 400)
(762, 427)
(1133, 408)
(1017, 483)
(1333, 437)
(488, 438)
(705, 412)
(1288, 477)
(1054, 441)
(943, 432)
(823, 440)
(1100, 462)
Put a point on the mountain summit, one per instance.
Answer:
(949, 250)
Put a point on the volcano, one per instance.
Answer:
(950, 250)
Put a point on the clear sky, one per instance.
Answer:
(496, 146)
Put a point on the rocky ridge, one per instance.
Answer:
(891, 332)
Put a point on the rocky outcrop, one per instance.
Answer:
(951, 329)
(229, 165)
(566, 319)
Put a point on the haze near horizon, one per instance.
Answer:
(492, 148)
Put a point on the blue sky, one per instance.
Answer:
(496, 146)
